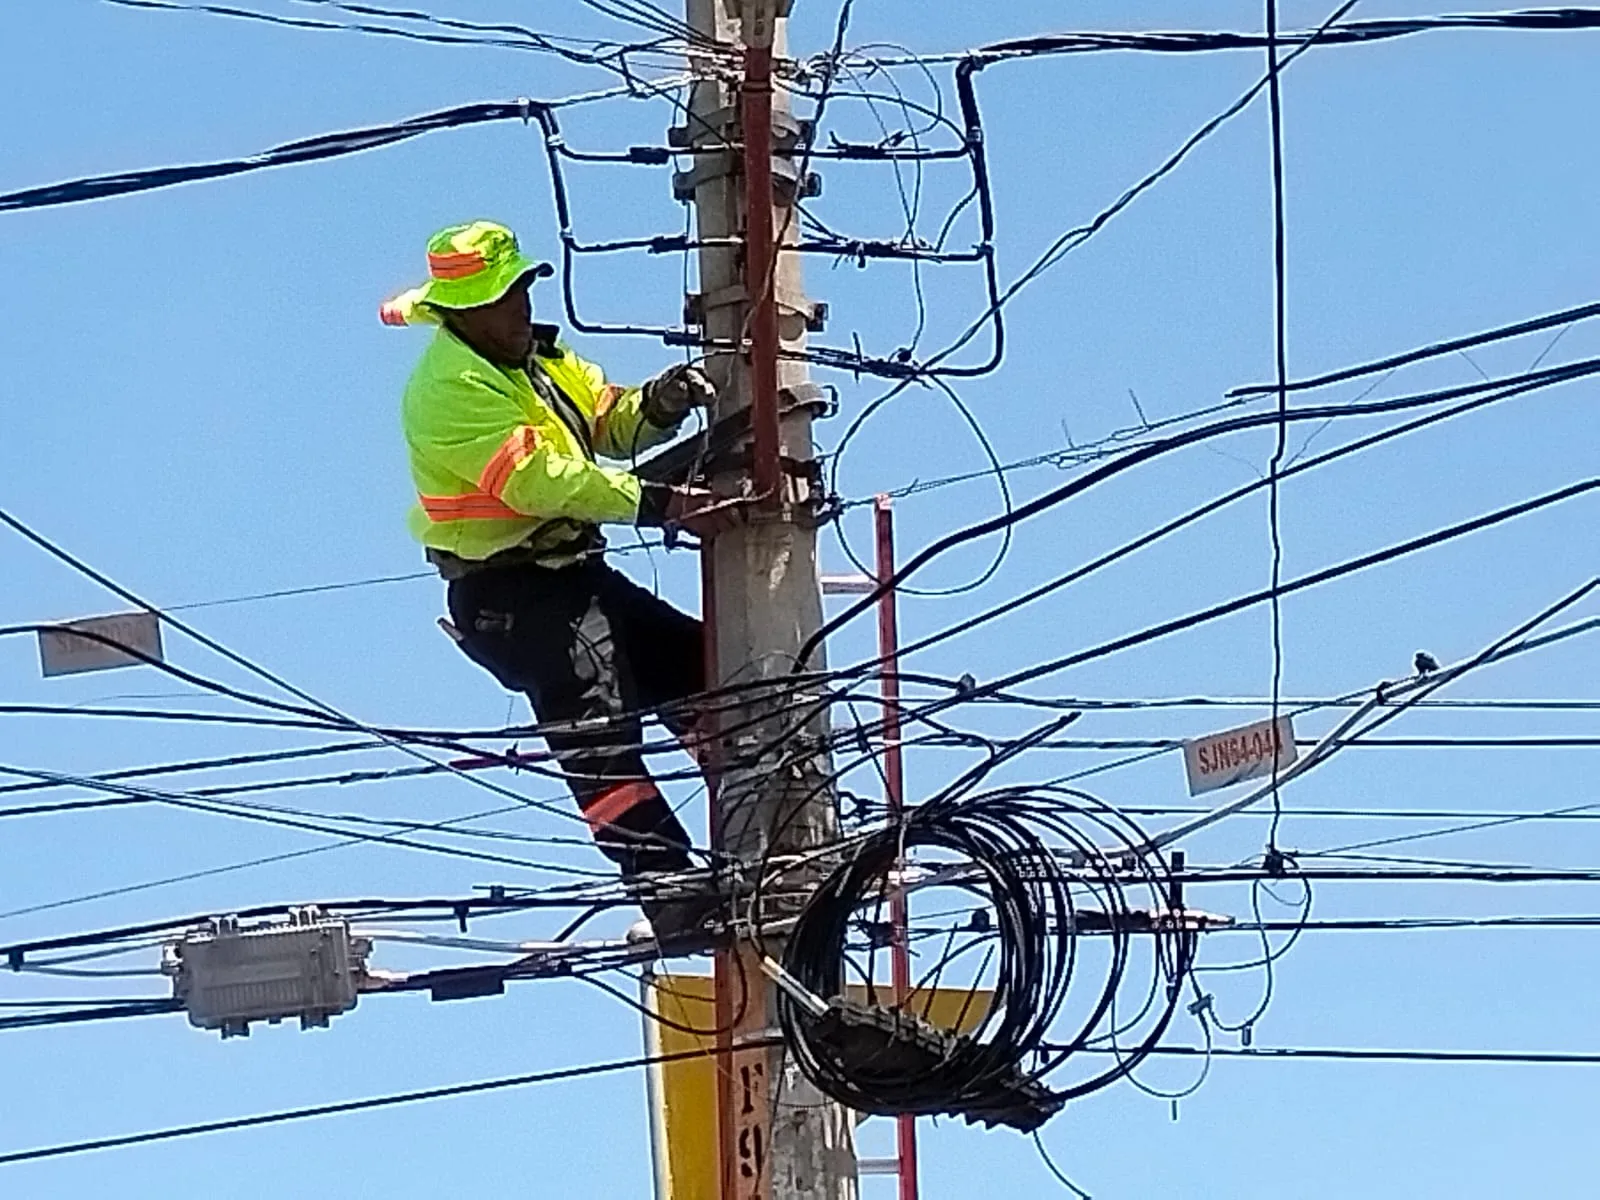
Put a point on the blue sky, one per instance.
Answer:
(201, 402)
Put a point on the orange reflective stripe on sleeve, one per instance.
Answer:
(604, 808)
(513, 452)
(604, 403)
(474, 506)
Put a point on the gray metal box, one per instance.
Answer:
(228, 975)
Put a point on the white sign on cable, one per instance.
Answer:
(1249, 752)
(63, 652)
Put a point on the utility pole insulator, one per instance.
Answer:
(228, 975)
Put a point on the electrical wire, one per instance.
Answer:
(350, 1106)
(115, 1010)
(1281, 364)
(1013, 604)
(1072, 239)
(1481, 1057)
(1314, 579)
(1353, 32)
(309, 590)
(1565, 319)
(329, 145)
(612, 56)
(276, 680)
(1168, 445)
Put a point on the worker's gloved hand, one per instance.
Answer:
(701, 512)
(697, 510)
(670, 395)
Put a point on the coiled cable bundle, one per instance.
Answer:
(1058, 868)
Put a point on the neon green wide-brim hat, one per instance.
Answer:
(468, 265)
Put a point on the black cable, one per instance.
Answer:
(200, 764)
(1281, 362)
(452, 907)
(1069, 241)
(600, 52)
(331, 145)
(1196, 514)
(240, 810)
(1553, 19)
(92, 1012)
(1387, 875)
(608, 55)
(1050, 1165)
(995, 470)
(349, 1106)
(1269, 1053)
(1576, 812)
(309, 590)
(1470, 827)
(1168, 445)
(1001, 834)
(1415, 924)
(276, 680)
(1315, 578)
(1565, 317)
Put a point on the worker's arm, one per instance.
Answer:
(620, 428)
(628, 420)
(485, 439)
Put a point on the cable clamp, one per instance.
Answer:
(793, 988)
(1276, 862)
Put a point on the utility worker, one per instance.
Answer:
(504, 425)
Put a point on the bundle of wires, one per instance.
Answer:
(1053, 864)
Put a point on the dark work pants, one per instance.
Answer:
(593, 651)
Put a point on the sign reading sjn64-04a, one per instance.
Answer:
(101, 643)
(1239, 754)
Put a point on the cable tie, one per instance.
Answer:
(1276, 862)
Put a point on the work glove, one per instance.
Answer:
(695, 510)
(670, 395)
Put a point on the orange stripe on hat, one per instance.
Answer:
(605, 808)
(455, 266)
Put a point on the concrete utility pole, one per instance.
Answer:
(779, 1139)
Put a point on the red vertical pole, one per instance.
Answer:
(894, 777)
(760, 270)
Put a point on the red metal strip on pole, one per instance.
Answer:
(724, 967)
(894, 780)
(760, 271)
(739, 1004)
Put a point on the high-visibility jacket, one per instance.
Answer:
(504, 457)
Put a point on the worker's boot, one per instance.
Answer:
(679, 918)
(676, 909)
